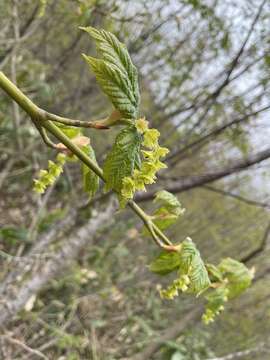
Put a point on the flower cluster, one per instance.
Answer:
(178, 284)
(215, 304)
(48, 177)
(151, 161)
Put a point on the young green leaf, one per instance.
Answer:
(193, 266)
(232, 279)
(169, 201)
(116, 53)
(138, 161)
(116, 85)
(121, 160)
(170, 210)
(192, 273)
(90, 179)
(70, 132)
(214, 273)
(115, 72)
(239, 277)
(163, 218)
(165, 263)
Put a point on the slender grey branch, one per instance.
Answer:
(260, 248)
(241, 354)
(24, 346)
(265, 205)
(190, 182)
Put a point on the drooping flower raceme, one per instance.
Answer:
(152, 153)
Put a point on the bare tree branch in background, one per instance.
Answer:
(240, 354)
(265, 205)
(260, 248)
(26, 31)
(28, 349)
(191, 182)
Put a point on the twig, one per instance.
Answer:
(24, 346)
(43, 117)
(77, 123)
(237, 197)
(26, 31)
(239, 354)
(44, 135)
(5, 172)
(260, 248)
(16, 113)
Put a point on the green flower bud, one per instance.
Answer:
(128, 188)
(141, 125)
(150, 138)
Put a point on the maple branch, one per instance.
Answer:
(42, 119)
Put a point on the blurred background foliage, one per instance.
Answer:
(204, 70)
